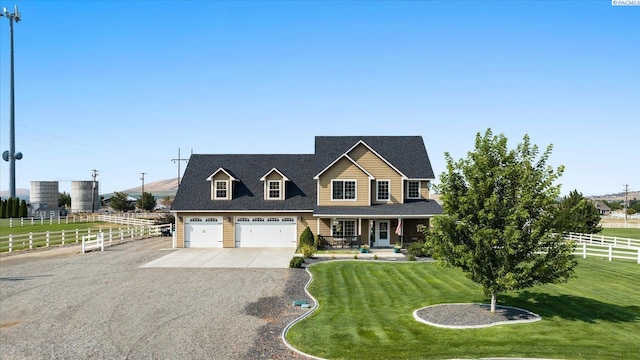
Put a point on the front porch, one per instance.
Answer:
(379, 233)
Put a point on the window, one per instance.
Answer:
(273, 189)
(382, 190)
(344, 228)
(343, 190)
(220, 189)
(413, 189)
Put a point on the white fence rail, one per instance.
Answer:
(123, 219)
(110, 235)
(90, 242)
(607, 251)
(602, 239)
(610, 247)
(620, 225)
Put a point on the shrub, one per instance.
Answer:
(416, 249)
(306, 238)
(307, 250)
(317, 242)
(411, 258)
(375, 257)
(296, 262)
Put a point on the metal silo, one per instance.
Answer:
(84, 196)
(44, 193)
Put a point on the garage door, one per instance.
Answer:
(203, 232)
(266, 232)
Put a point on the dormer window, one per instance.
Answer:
(274, 189)
(221, 181)
(274, 185)
(221, 189)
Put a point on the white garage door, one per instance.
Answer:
(203, 232)
(266, 232)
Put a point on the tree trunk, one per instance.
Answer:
(494, 300)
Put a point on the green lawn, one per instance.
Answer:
(624, 233)
(36, 228)
(366, 311)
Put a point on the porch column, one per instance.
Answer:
(360, 229)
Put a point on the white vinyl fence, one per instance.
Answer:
(109, 235)
(610, 247)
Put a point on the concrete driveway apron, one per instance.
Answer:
(225, 258)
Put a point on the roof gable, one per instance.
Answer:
(265, 176)
(362, 143)
(231, 177)
(344, 156)
(408, 154)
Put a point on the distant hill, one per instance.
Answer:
(22, 194)
(159, 189)
(617, 197)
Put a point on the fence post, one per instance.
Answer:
(638, 256)
(21, 221)
(10, 222)
(62, 237)
(77, 236)
(584, 250)
(11, 247)
(31, 221)
(30, 240)
(610, 252)
(47, 238)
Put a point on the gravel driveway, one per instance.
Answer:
(58, 304)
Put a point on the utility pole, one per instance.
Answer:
(142, 196)
(178, 161)
(11, 156)
(93, 190)
(626, 204)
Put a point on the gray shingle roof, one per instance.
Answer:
(408, 209)
(407, 153)
(194, 192)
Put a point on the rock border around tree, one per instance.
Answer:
(472, 315)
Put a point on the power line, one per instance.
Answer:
(178, 161)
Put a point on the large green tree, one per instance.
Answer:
(498, 219)
(119, 201)
(149, 201)
(577, 214)
(64, 199)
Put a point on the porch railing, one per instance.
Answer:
(339, 242)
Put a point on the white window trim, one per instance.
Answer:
(388, 181)
(355, 228)
(343, 181)
(419, 188)
(215, 189)
(267, 190)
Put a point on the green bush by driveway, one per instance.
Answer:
(366, 311)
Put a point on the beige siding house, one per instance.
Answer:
(353, 190)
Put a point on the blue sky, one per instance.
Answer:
(119, 86)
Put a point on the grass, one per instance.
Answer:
(37, 228)
(624, 233)
(366, 308)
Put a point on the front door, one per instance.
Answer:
(382, 233)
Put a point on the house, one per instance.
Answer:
(602, 208)
(45, 212)
(352, 190)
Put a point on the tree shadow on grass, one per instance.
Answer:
(573, 308)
